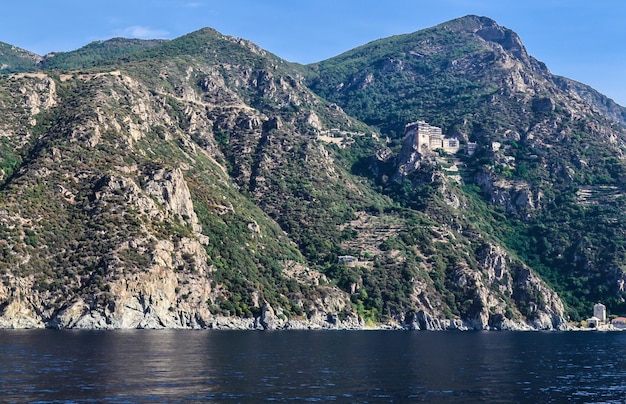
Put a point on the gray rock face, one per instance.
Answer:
(409, 158)
(152, 300)
(546, 308)
(268, 319)
(505, 37)
(423, 321)
(169, 187)
(516, 196)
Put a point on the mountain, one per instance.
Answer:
(14, 59)
(127, 196)
(203, 182)
(470, 65)
(549, 150)
(96, 53)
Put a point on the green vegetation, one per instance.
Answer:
(96, 53)
(85, 159)
(15, 60)
(576, 246)
(392, 82)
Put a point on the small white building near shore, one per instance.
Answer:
(599, 316)
(593, 322)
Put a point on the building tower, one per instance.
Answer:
(599, 311)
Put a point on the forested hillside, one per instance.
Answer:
(204, 182)
(559, 141)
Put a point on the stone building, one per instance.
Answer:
(430, 138)
(599, 311)
(599, 316)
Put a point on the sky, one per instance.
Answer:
(584, 40)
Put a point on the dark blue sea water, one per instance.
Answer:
(311, 366)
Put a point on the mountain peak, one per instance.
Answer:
(490, 31)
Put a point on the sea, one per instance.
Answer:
(209, 366)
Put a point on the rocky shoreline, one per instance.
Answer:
(79, 318)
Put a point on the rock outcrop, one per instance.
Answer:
(517, 197)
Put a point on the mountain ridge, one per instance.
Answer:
(204, 182)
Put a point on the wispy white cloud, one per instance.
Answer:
(137, 31)
(194, 4)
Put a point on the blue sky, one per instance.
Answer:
(582, 40)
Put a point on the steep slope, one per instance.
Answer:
(469, 67)
(599, 102)
(117, 206)
(14, 59)
(200, 183)
(549, 152)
